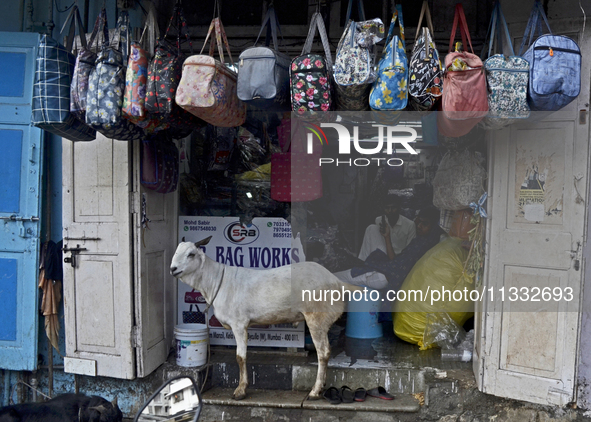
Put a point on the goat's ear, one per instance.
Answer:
(203, 242)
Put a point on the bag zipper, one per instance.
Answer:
(262, 57)
(507, 70)
(553, 49)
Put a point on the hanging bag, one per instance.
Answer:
(263, 72)
(159, 165)
(51, 90)
(106, 85)
(310, 74)
(136, 80)
(464, 101)
(164, 76)
(555, 65)
(296, 175)
(354, 71)
(389, 91)
(208, 87)
(506, 76)
(85, 62)
(425, 82)
(459, 181)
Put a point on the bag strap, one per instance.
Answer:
(75, 26)
(151, 26)
(272, 23)
(495, 30)
(318, 22)
(122, 34)
(465, 34)
(397, 14)
(534, 25)
(360, 10)
(178, 18)
(425, 12)
(220, 35)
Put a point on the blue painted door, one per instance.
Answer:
(20, 203)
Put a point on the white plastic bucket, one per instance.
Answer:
(191, 344)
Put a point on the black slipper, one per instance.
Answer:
(380, 393)
(347, 394)
(333, 396)
(360, 394)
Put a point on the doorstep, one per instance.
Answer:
(271, 405)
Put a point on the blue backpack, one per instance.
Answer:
(555, 65)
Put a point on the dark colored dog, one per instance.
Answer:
(64, 408)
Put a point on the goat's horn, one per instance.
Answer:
(183, 238)
(203, 242)
(114, 402)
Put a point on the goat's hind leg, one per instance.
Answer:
(319, 323)
(241, 336)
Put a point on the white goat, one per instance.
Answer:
(244, 296)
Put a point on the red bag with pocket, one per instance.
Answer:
(464, 100)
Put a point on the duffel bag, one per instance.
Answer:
(263, 72)
(208, 87)
(555, 65)
(51, 89)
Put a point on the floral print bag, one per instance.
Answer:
(310, 74)
(164, 75)
(106, 84)
(389, 91)
(136, 80)
(507, 78)
(425, 82)
(354, 71)
(208, 87)
(85, 62)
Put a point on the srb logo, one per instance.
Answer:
(240, 234)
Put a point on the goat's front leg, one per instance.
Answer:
(241, 336)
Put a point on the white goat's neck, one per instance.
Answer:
(208, 279)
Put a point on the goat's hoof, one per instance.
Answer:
(314, 396)
(239, 396)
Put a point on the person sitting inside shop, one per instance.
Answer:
(391, 234)
(396, 269)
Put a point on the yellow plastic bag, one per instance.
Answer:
(439, 271)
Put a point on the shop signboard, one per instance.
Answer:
(265, 243)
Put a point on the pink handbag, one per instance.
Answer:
(295, 175)
(464, 100)
(208, 88)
